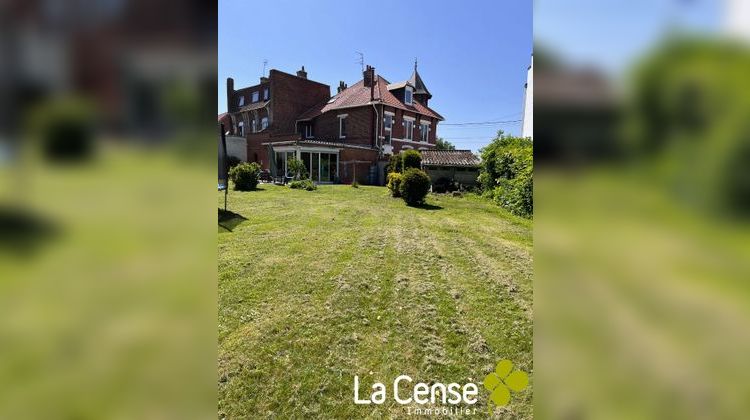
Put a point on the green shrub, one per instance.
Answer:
(304, 184)
(355, 184)
(395, 165)
(516, 195)
(233, 161)
(65, 129)
(297, 168)
(411, 159)
(245, 176)
(507, 173)
(394, 184)
(415, 184)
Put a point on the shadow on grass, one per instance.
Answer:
(426, 206)
(23, 232)
(228, 220)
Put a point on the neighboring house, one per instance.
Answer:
(461, 166)
(341, 138)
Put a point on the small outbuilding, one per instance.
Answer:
(458, 166)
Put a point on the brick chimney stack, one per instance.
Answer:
(369, 75)
(263, 79)
(302, 73)
(230, 91)
(342, 86)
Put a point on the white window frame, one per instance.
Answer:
(308, 131)
(408, 129)
(265, 94)
(388, 130)
(263, 123)
(256, 95)
(255, 126)
(424, 131)
(241, 101)
(411, 96)
(341, 118)
(241, 128)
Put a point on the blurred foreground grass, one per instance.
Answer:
(642, 306)
(109, 310)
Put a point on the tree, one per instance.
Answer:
(443, 144)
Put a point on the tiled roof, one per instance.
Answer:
(222, 115)
(418, 84)
(449, 158)
(359, 95)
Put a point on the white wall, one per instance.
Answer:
(237, 146)
(528, 103)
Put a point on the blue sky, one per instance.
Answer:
(473, 56)
(612, 34)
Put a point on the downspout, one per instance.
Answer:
(377, 136)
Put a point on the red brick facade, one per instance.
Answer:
(303, 117)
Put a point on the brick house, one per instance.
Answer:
(340, 138)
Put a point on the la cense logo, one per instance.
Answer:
(447, 399)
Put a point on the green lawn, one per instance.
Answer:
(316, 287)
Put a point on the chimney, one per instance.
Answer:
(342, 86)
(369, 75)
(302, 73)
(263, 79)
(230, 91)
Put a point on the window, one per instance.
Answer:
(424, 131)
(407, 96)
(265, 94)
(242, 100)
(342, 126)
(255, 128)
(308, 131)
(264, 123)
(388, 128)
(408, 129)
(255, 96)
(241, 128)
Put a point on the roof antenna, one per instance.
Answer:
(265, 63)
(361, 60)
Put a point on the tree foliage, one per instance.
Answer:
(443, 144)
(507, 173)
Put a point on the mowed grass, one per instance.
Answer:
(316, 287)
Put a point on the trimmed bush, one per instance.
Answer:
(245, 176)
(411, 159)
(65, 129)
(395, 164)
(415, 184)
(394, 184)
(233, 161)
(304, 184)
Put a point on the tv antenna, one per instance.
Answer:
(361, 60)
(265, 63)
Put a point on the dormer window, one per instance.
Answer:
(407, 96)
(242, 100)
(265, 94)
(308, 131)
(255, 96)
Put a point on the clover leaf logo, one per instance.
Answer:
(502, 381)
